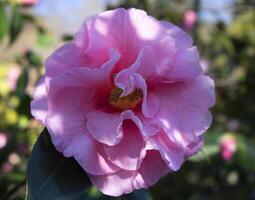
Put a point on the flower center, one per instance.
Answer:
(127, 102)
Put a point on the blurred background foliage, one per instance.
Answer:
(223, 30)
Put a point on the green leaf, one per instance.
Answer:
(33, 58)
(51, 175)
(16, 23)
(211, 148)
(3, 22)
(137, 195)
(22, 83)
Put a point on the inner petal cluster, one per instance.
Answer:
(131, 101)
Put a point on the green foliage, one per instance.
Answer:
(16, 23)
(3, 22)
(51, 175)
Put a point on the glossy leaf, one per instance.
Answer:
(3, 22)
(16, 24)
(51, 175)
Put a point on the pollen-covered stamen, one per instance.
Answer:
(127, 102)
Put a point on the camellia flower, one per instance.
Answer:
(127, 99)
(228, 146)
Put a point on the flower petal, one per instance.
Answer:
(89, 154)
(182, 39)
(105, 127)
(183, 112)
(87, 77)
(64, 58)
(39, 106)
(170, 152)
(152, 169)
(128, 152)
(114, 184)
(127, 31)
(186, 65)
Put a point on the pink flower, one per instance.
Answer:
(190, 18)
(3, 140)
(127, 99)
(6, 167)
(28, 2)
(228, 146)
(13, 76)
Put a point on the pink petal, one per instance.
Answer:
(105, 127)
(186, 65)
(193, 148)
(89, 77)
(67, 127)
(64, 58)
(127, 31)
(182, 39)
(128, 152)
(39, 106)
(152, 169)
(89, 154)
(65, 119)
(170, 152)
(183, 112)
(114, 184)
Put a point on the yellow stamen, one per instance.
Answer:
(127, 102)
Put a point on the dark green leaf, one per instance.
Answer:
(33, 59)
(22, 83)
(52, 176)
(3, 22)
(137, 195)
(16, 23)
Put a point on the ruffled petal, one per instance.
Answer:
(127, 31)
(89, 78)
(89, 154)
(185, 65)
(181, 38)
(152, 169)
(39, 105)
(64, 58)
(128, 153)
(170, 152)
(114, 184)
(105, 127)
(183, 112)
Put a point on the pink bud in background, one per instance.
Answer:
(190, 18)
(3, 140)
(13, 75)
(6, 167)
(228, 146)
(28, 2)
